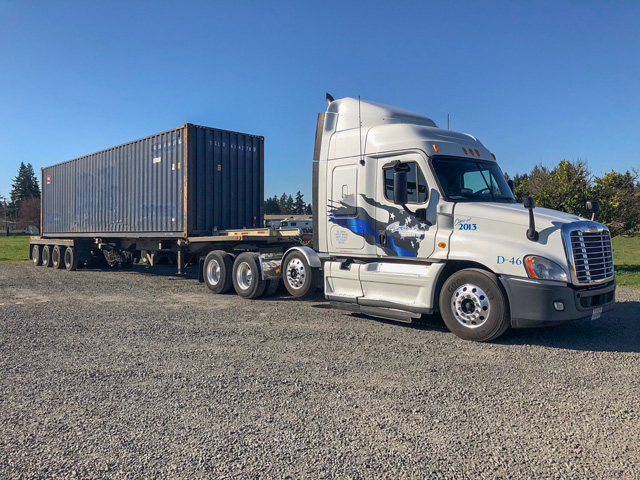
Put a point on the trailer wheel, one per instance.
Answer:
(247, 278)
(35, 255)
(46, 256)
(299, 277)
(57, 257)
(272, 286)
(217, 268)
(70, 259)
(473, 305)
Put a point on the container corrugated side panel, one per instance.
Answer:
(225, 181)
(135, 189)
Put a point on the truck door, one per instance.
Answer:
(401, 233)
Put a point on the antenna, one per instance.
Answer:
(360, 123)
(448, 122)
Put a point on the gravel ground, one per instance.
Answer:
(136, 374)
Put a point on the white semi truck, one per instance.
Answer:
(409, 219)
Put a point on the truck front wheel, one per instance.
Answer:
(217, 271)
(247, 278)
(473, 306)
(299, 277)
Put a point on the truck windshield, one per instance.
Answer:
(466, 180)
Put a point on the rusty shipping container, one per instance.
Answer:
(184, 182)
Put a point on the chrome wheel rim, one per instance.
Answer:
(213, 272)
(296, 273)
(244, 276)
(470, 306)
(35, 254)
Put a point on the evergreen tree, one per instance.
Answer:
(308, 210)
(289, 205)
(25, 185)
(271, 206)
(299, 206)
(282, 203)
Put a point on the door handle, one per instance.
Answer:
(382, 238)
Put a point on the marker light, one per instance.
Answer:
(471, 152)
(477, 153)
(465, 151)
(494, 157)
(435, 147)
(544, 269)
(442, 244)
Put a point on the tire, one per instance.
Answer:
(272, 286)
(298, 276)
(35, 255)
(70, 259)
(216, 270)
(247, 278)
(46, 256)
(57, 257)
(473, 305)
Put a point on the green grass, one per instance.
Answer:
(626, 258)
(626, 255)
(14, 249)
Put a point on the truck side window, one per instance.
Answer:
(417, 185)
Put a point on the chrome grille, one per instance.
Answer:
(592, 256)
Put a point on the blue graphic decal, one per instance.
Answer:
(402, 235)
(399, 250)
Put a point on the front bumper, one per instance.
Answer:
(531, 301)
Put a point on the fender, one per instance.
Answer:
(314, 259)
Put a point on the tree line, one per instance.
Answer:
(567, 187)
(286, 205)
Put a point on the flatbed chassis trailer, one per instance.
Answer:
(248, 260)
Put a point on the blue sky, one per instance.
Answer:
(534, 81)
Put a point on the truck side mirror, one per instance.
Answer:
(529, 203)
(400, 188)
(593, 206)
(512, 186)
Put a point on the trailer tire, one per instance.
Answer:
(57, 257)
(474, 306)
(70, 259)
(46, 256)
(272, 286)
(35, 255)
(217, 269)
(298, 276)
(247, 278)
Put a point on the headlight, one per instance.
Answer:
(544, 269)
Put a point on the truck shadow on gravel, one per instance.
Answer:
(166, 271)
(616, 331)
